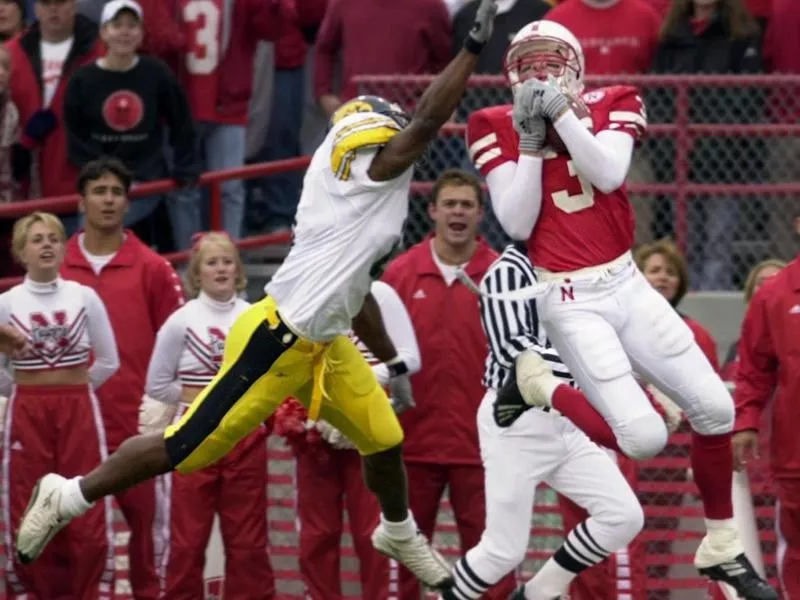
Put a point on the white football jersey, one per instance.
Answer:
(190, 345)
(346, 223)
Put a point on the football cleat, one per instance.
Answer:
(41, 520)
(742, 577)
(416, 555)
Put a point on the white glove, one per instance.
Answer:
(155, 416)
(543, 98)
(673, 413)
(400, 386)
(333, 436)
(483, 25)
(3, 405)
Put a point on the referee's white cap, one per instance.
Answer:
(113, 8)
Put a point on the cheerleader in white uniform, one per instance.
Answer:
(187, 355)
(52, 420)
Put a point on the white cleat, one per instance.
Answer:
(416, 555)
(535, 379)
(41, 520)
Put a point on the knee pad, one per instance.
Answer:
(501, 557)
(709, 407)
(643, 437)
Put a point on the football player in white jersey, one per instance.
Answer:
(295, 341)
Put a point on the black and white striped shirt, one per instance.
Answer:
(513, 327)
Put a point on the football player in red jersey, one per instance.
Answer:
(556, 162)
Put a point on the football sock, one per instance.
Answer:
(712, 465)
(574, 405)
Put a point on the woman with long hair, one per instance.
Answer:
(187, 355)
(52, 420)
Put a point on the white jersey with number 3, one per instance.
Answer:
(346, 224)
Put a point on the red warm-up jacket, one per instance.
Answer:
(769, 364)
(292, 47)
(448, 391)
(140, 290)
(252, 21)
(55, 175)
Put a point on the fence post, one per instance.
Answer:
(683, 145)
(215, 207)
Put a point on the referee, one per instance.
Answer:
(523, 446)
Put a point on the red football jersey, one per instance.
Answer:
(579, 226)
(199, 71)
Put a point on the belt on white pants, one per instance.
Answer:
(595, 273)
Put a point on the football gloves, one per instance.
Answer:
(400, 385)
(333, 436)
(155, 416)
(483, 25)
(509, 403)
(542, 98)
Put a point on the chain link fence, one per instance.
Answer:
(719, 171)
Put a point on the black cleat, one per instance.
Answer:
(741, 576)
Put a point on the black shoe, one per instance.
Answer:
(741, 576)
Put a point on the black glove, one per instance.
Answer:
(40, 124)
(509, 403)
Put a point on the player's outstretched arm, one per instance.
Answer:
(437, 103)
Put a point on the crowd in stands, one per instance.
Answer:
(175, 88)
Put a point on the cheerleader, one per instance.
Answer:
(187, 355)
(52, 420)
(329, 479)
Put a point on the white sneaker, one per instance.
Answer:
(535, 379)
(41, 520)
(416, 555)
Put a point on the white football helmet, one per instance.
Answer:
(544, 48)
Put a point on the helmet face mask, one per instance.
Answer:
(374, 104)
(544, 50)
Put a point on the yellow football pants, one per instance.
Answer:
(264, 363)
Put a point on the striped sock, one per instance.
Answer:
(578, 552)
(468, 586)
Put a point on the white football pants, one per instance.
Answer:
(546, 448)
(607, 322)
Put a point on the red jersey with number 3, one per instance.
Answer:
(579, 226)
(200, 68)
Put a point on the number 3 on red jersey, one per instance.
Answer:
(573, 202)
(204, 17)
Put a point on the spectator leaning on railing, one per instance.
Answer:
(42, 60)
(211, 45)
(140, 290)
(123, 104)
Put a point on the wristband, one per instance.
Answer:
(472, 46)
(397, 367)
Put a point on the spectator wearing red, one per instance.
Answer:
(212, 46)
(43, 59)
(403, 37)
(187, 356)
(617, 36)
(441, 448)
(140, 290)
(51, 418)
(277, 196)
(768, 384)
(330, 481)
(9, 155)
(755, 279)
